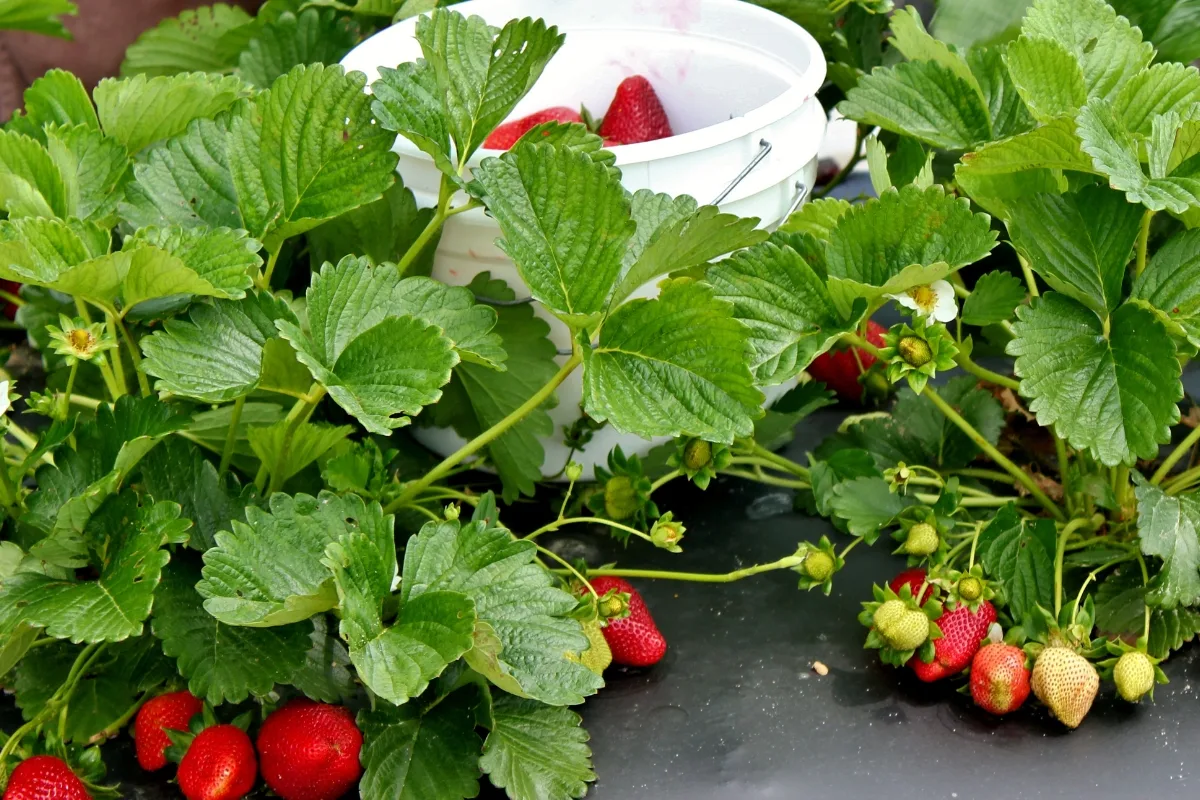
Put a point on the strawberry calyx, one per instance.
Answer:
(971, 588)
(900, 628)
(817, 563)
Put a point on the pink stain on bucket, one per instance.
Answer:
(679, 14)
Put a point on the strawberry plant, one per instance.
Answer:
(230, 322)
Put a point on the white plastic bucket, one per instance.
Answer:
(739, 85)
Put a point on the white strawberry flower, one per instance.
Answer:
(935, 300)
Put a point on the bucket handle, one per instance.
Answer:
(764, 149)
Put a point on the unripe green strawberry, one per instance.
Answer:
(817, 565)
(1066, 683)
(1134, 675)
(902, 627)
(696, 454)
(970, 588)
(922, 540)
(915, 351)
(598, 655)
(620, 498)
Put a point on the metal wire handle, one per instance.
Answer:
(764, 149)
(802, 192)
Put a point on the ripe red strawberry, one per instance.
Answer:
(14, 288)
(962, 633)
(839, 370)
(309, 751)
(219, 765)
(634, 640)
(635, 114)
(914, 579)
(168, 711)
(999, 678)
(506, 135)
(45, 778)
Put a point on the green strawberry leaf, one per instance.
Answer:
(382, 230)
(409, 102)
(1053, 146)
(224, 258)
(1080, 243)
(524, 630)
(489, 73)
(911, 39)
(868, 505)
(1048, 77)
(1161, 89)
(59, 98)
(139, 111)
(785, 304)
(30, 182)
(310, 37)
(36, 16)
(94, 169)
(1020, 553)
(478, 398)
(219, 352)
(206, 39)
(222, 663)
(1009, 113)
(286, 455)
(993, 299)
(1109, 50)
(535, 751)
(565, 222)
(1171, 630)
(1115, 153)
(1108, 388)
(1171, 283)
(1169, 24)
(370, 347)
(1120, 609)
(114, 606)
(1167, 528)
(671, 366)
(906, 238)
(37, 250)
(922, 99)
(267, 570)
(325, 676)
(398, 661)
(177, 471)
(410, 755)
(675, 235)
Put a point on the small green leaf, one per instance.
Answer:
(1009, 113)
(30, 183)
(966, 23)
(1171, 630)
(671, 366)
(516, 602)
(396, 662)
(267, 570)
(285, 456)
(222, 663)
(565, 221)
(325, 676)
(139, 111)
(313, 36)
(993, 299)
(409, 102)
(1171, 282)
(1167, 528)
(206, 39)
(867, 505)
(1161, 89)
(408, 755)
(482, 74)
(786, 306)
(1080, 243)
(1048, 77)
(536, 752)
(1112, 392)
(911, 39)
(1109, 50)
(1020, 553)
(59, 98)
(94, 169)
(1169, 24)
(36, 16)
(112, 607)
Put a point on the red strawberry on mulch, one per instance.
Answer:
(839, 369)
(999, 678)
(635, 114)
(507, 134)
(962, 633)
(634, 640)
(166, 712)
(309, 751)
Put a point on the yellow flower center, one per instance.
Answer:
(925, 298)
(81, 340)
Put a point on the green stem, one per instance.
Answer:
(699, 577)
(63, 405)
(1176, 454)
(664, 480)
(295, 418)
(264, 281)
(985, 374)
(761, 477)
(235, 416)
(117, 362)
(984, 474)
(983, 444)
(570, 569)
(421, 509)
(858, 341)
(1182, 481)
(57, 701)
(1030, 281)
(1063, 536)
(1064, 473)
(135, 356)
(846, 550)
(482, 440)
(1091, 577)
(1143, 240)
(845, 171)
(974, 542)
(440, 213)
(120, 722)
(1146, 606)
(558, 523)
(9, 297)
(781, 462)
